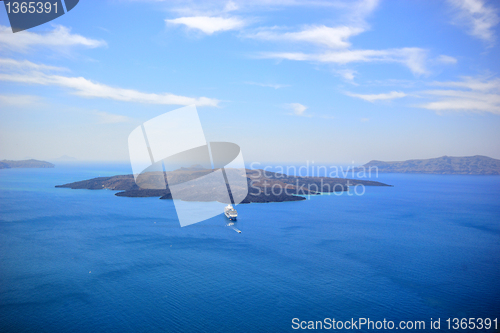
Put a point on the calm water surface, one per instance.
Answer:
(88, 261)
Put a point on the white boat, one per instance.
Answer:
(230, 212)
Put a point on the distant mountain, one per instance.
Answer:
(6, 164)
(66, 158)
(194, 167)
(469, 165)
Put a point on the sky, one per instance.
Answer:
(289, 81)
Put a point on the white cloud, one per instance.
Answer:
(361, 9)
(336, 46)
(461, 101)
(230, 6)
(347, 74)
(298, 109)
(364, 120)
(477, 17)
(270, 85)
(322, 35)
(334, 42)
(19, 100)
(197, 7)
(378, 97)
(412, 57)
(209, 24)
(110, 118)
(444, 59)
(10, 64)
(87, 88)
(472, 84)
(57, 38)
(477, 95)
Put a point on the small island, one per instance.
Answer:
(263, 186)
(445, 165)
(7, 164)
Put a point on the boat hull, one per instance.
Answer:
(230, 213)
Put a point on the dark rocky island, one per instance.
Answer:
(263, 186)
(6, 164)
(446, 165)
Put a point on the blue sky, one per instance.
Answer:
(290, 81)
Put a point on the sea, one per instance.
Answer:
(426, 249)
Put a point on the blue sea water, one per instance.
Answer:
(89, 261)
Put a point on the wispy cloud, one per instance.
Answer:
(332, 43)
(298, 109)
(11, 64)
(213, 7)
(231, 6)
(478, 18)
(268, 85)
(110, 118)
(60, 37)
(378, 97)
(347, 74)
(209, 24)
(332, 37)
(19, 100)
(473, 94)
(358, 11)
(86, 88)
(412, 57)
(444, 59)
(471, 83)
